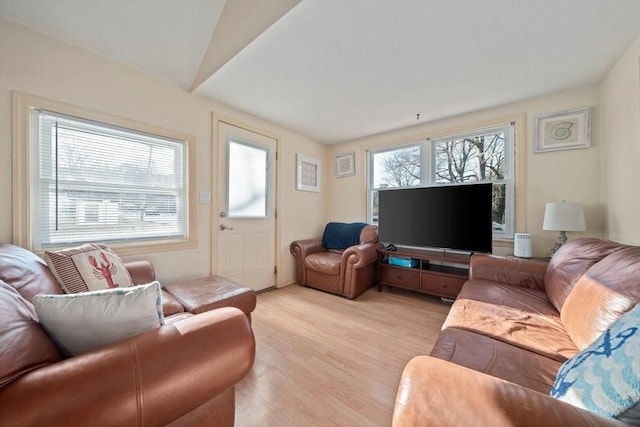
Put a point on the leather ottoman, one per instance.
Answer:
(208, 293)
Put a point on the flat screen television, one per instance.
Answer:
(454, 217)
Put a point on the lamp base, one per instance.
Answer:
(561, 240)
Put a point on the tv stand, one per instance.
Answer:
(436, 272)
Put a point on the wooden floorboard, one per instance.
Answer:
(322, 360)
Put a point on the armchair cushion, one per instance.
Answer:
(324, 262)
(338, 235)
(81, 322)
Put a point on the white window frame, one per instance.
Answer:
(370, 170)
(25, 206)
(428, 170)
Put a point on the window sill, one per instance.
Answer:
(141, 248)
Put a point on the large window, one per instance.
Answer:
(479, 156)
(93, 181)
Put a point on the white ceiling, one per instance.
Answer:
(339, 70)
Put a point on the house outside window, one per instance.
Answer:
(485, 155)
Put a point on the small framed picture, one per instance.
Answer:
(308, 173)
(345, 165)
(565, 130)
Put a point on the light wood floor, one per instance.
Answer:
(322, 360)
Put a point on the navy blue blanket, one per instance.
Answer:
(339, 235)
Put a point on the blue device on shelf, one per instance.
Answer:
(403, 262)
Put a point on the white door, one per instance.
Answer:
(246, 207)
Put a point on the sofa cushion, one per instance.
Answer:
(570, 262)
(338, 235)
(605, 377)
(496, 358)
(24, 345)
(605, 292)
(26, 272)
(209, 293)
(89, 267)
(170, 305)
(522, 317)
(84, 321)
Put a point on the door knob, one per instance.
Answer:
(224, 227)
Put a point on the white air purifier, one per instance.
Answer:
(523, 245)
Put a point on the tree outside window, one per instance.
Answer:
(475, 159)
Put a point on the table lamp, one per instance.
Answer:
(563, 217)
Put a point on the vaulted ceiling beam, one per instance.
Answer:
(240, 23)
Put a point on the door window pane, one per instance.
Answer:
(247, 191)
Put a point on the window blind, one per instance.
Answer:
(98, 182)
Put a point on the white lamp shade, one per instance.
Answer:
(564, 217)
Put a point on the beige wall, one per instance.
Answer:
(573, 175)
(38, 65)
(620, 92)
(604, 177)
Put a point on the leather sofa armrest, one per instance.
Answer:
(141, 272)
(150, 379)
(509, 270)
(300, 249)
(359, 256)
(434, 392)
(306, 247)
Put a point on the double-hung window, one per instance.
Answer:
(93, 181)
(485, 155)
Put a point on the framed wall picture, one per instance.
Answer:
(565, 130)
(307, 173)
(345, 165)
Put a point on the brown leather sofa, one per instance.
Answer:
(181, 374)
(348, 272)
(512, 326)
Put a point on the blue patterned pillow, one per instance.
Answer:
(605, 377)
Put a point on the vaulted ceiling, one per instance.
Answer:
(338, 70)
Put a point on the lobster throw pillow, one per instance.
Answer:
(89, 267)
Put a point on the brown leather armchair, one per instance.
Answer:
(347, 272)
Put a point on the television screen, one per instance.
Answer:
(447, 217)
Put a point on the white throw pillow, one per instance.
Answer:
(89, 267)
(84, 321)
